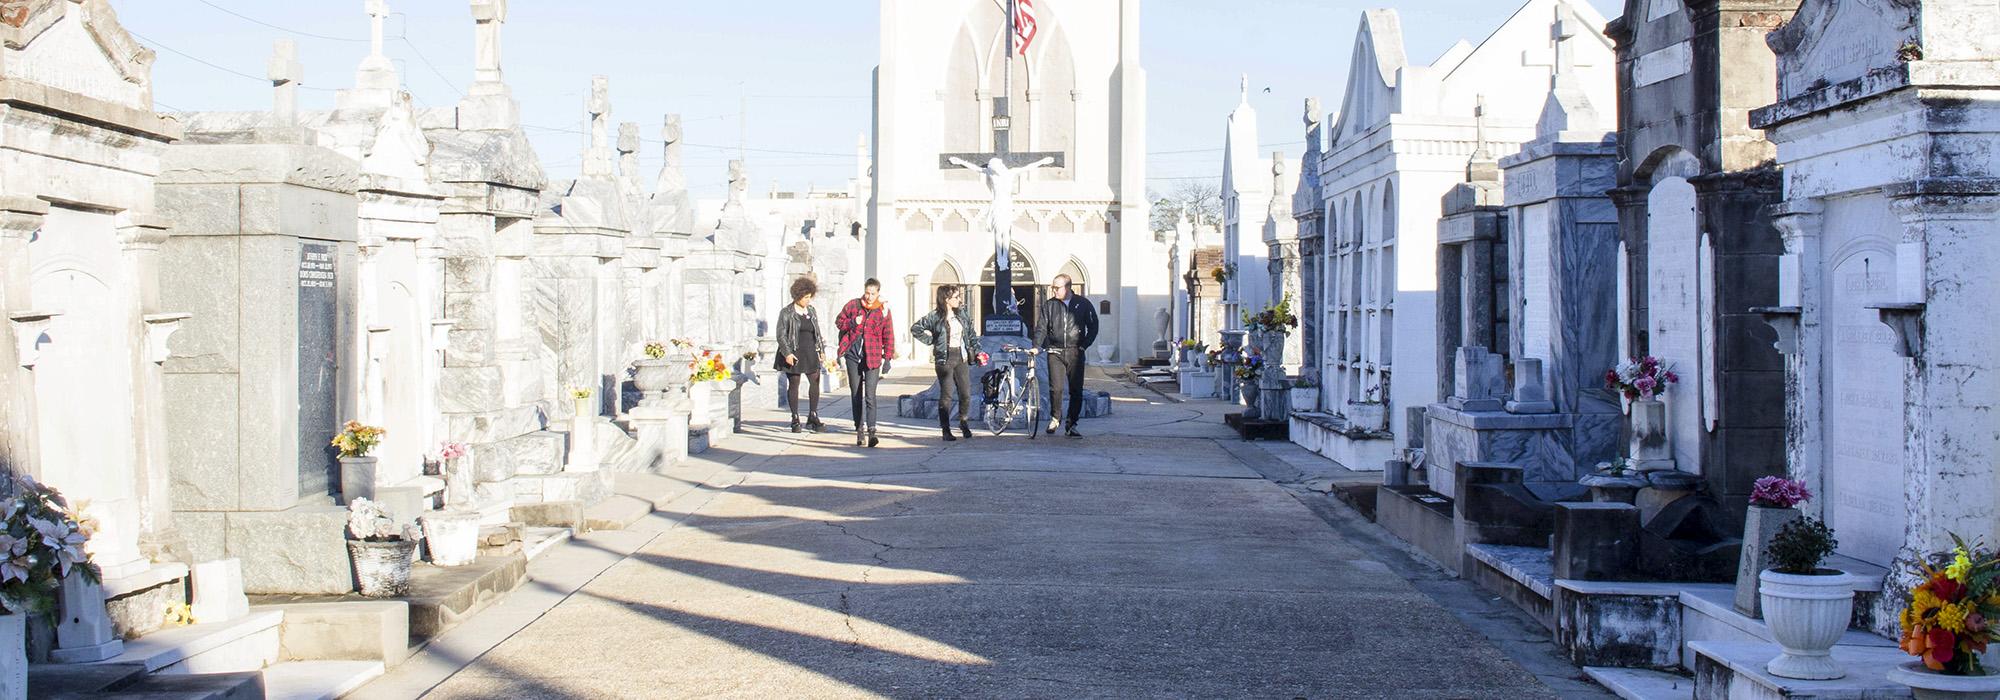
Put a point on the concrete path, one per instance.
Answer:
(1151, 559)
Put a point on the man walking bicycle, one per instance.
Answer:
(1065, 325)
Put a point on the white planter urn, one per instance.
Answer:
(1368, 415)
(13, 656)
(452, 537)
(382, 569)
(1807, 615)
(1926, 684)
(1305, 400)
(1650, 450)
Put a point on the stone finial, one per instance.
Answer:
(1313, 115)
(285, 72)
(378, 12)
(671, 134)
(1244, 87)
(628, 149)
(1483, 167)
(490, 17)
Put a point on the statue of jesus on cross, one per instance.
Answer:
(1001, 181)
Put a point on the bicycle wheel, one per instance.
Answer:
(1034, 408)
(1000, 411)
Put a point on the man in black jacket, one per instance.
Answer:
(1065, 325)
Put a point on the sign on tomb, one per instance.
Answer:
(319, 333)
(1863, 402)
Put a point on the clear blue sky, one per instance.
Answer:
(800, 67)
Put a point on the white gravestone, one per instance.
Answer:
(1673, 297)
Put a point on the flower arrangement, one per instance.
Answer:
(580, 393)
(41, 543)
(709, 367)
(656, 350)
(1276, 317)
(1801, 545)
(1372, 395)
(449, 450)
(1948, 620)
(1190, 344)
(355, 439)
(1618, 466)
(1641, 379)
(1222, 273)
(1252, 365)
(1305, 383)
(1910, 51)
(1779, 492)
(368, 521)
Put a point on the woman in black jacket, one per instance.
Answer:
(800, 351)
(954, 345)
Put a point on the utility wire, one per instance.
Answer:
(254, 20)
(225, 69)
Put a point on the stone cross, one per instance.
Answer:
(671, 134)
(739, 182)
(491, 16)
(378, 10)
(628, 149)
(285, 71)
(597, 157)
(1563, 32)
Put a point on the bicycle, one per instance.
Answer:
(1014, 396)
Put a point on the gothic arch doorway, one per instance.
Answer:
(1027, 291)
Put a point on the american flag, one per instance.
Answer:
(1024, 26)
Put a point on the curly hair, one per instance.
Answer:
(802, 287)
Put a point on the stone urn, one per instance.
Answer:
(1807, 614)
(1305, 398)
(1372, 416)
(1249, 391)
(357, 478)
(1926, 684)
(452, 537)
(382, 569)
(653, 378)
(1649, 448)
(584, 407)
(13, 656)
(701, 404)
(1760, 524)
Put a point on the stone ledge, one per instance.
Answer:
(1641, 684)
(1717, 602)
(318, 680)
(172, 646)
(352, 630)
(1528, 566)
(1736, 670)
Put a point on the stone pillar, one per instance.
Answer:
(1950, 453)
(1631, 203)
(1799, 322)
(118, 553)
(1747, 440)
(1450, 314)
(20, 218)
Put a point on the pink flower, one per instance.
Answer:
(1779, 492)
(1644, 385)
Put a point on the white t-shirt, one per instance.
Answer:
(955, 332)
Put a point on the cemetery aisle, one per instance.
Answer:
(1145, 560)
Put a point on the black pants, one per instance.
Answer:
(792, 393)
(953, 376)
(861, 385)
(1066, 378)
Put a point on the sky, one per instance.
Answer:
(785, 80)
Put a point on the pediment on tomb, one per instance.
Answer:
(1372, 76)
(76, 46)
(1833, 41)
(399, 149)
(494, 157)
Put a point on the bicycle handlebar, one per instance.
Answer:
(1016, 348)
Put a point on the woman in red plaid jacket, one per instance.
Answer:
(867, 344)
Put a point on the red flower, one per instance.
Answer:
(1946, 589)
(1941, 649)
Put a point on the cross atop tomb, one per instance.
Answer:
(378, 12)
(597, 156)
(1563, 33)
(285, 71)
(491, 17)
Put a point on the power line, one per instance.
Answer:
(427, 62)
(225, 69)
(1220, 149)
(254, 20)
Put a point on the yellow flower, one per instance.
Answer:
(1961, 566)
(1952, 618)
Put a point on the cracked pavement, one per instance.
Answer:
(1150, 559)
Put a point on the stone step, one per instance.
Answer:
(318, 680)
(1708, 614)
(344, 630)
(441, 597)
(1525, 576)
(1641, 684)
(1736, 670)
(240, 685)
(248, 643)
(583, 487)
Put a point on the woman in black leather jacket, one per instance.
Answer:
(954, 345)
(800, 351)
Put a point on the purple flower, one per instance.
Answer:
(1779, 492)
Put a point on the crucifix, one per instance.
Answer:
(284, 72)
(1001, 169)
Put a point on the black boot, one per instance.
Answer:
(944, 424)
(964, 430)
(860, 438)
(813, 424)
(795, 424)
(872, 440)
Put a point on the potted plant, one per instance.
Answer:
(1614, 482)
(1946, 624)
(1807, 607)
(1642, 382)
(654, 374)
(357, 467)
(452, 535)
(382, 551)
(705, 369)
(41, 544)
(1190, 350)
(1369, 414)
(1246, 375)
(581, 396)
(1305, 394)
(1774, 502)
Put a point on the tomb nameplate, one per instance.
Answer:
(1864, 417)
(319, 343)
